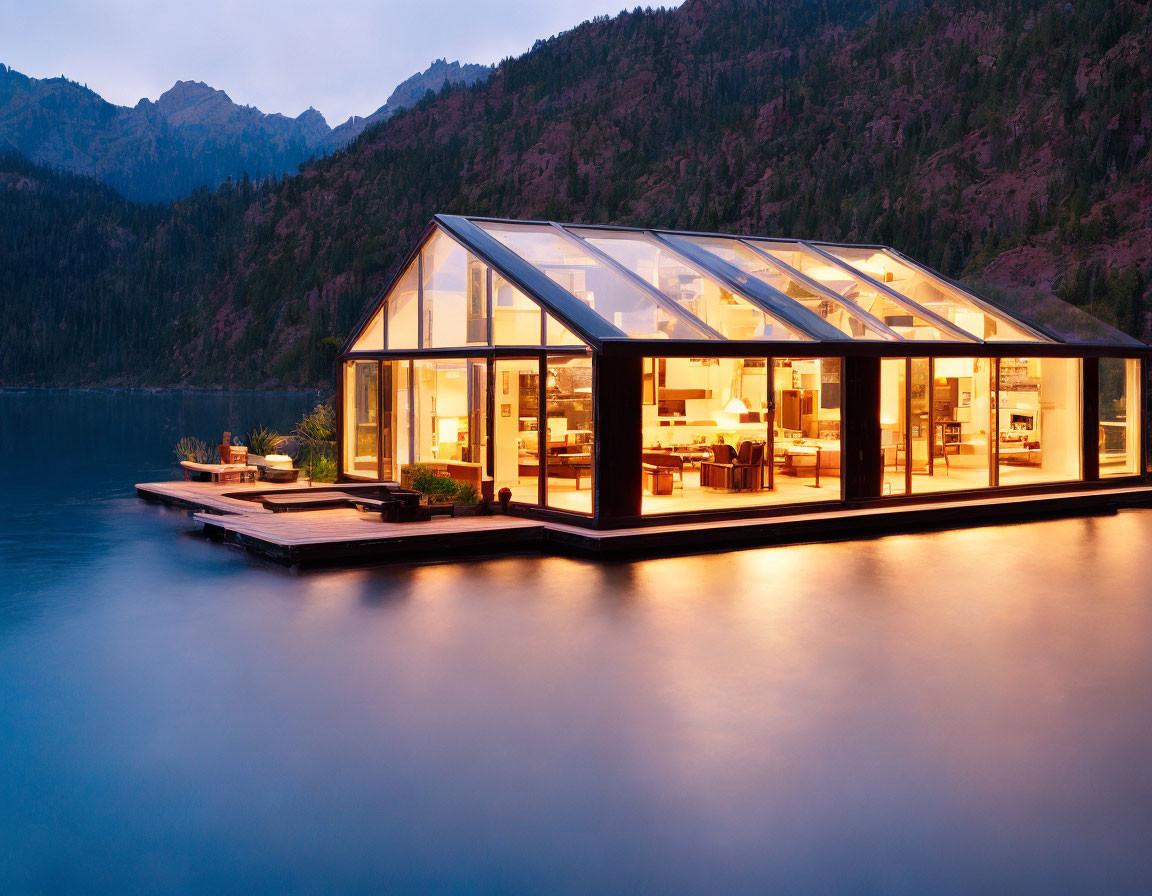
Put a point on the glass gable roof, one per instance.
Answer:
(731, 315)
(932, 292)
(594, 283)
(847, 317)
(599, 286)
(900, 314)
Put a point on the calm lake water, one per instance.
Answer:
(965, 712)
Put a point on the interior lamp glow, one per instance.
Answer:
(735, 407)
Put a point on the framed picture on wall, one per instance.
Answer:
(505, 380)
(965, 399)
(505, 410)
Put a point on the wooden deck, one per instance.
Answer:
(347, 536)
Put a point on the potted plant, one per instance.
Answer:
(441, 492)
(468, 501)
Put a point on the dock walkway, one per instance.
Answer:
(347, 536)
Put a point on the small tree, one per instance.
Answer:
(316, 435)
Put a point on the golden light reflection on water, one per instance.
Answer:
(955, 712)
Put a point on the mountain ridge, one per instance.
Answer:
(193, 135)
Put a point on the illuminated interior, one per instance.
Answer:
(948, 424)
(481, 359)
(1120, 402)
(739, 432)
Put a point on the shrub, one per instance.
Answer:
(323, 470)
(434, 486)
(193, 450)
(467, 494)
(262, 441)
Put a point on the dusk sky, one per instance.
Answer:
(341, 56)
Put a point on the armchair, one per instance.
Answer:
(741, 470)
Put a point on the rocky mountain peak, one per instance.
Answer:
(313, 125)
(194, 102)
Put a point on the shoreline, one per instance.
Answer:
(160, 390)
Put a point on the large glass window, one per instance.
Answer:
(372, 339)
(515, 317)
(361, 419)
(733, 316)
(402, 414)
(448, 421)
(401, 308)
(1037, 411)
(605, 290)
(568, 439)
(557, 335)
(944, 424)
(455, 295)
(739, 432)
(806, 433)
(516, 427)
(1119, 416)
(476, 450)
(894, 416)
(952, 442)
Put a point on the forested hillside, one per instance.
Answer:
(1008, 146)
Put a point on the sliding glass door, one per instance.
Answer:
(567, 438)
(361, 447)
(516, 428)
(1119, 435)
(950, 424)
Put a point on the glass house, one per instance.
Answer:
(614, 376)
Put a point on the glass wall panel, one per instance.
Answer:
(441, 412)
(724, 433)
(933, 293)
(515, 317)
(806, 434)
(901, 318)
(517, 429)
(372, 339)
(477, 448)
(388, 469)
(605, 290)
(894, 425)
(361, 419)
(845, 316)
(569, 428)
(697, 413)
(558, 335)
(958, 446)
(919, 419)
(402, 310)
(1038, 420)
(450, 417)
(402, 405)
(731, 315)
(1119, 416)
(455, 295)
